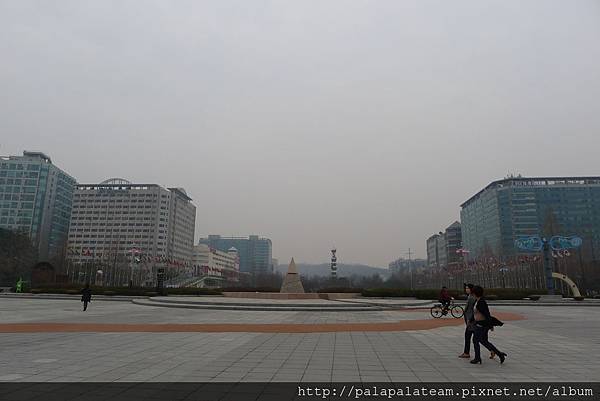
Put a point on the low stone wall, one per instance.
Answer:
(271, 295)
(340, 295)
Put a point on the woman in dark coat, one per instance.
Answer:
(483, 322)
(86, 296)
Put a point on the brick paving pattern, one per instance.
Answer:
(550, 344)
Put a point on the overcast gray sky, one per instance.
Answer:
(359, 124)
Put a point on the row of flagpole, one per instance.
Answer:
(138, 270)
(522, 271)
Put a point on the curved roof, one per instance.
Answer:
(116, 181)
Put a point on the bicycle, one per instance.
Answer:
(437, 310)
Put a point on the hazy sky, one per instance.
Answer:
(359, 124)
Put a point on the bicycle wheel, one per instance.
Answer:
(436, 311)
(457, 311)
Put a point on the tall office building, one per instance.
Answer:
(453, 237)
(433, 257)
(255, 252)
(517, 206)
(442, 247)
(36, 199)
(116, 218)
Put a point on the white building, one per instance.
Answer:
(140, 226)
(215, 268)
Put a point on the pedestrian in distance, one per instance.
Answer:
(86, 296)
(483, 321)
(469, 325)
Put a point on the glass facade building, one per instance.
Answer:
(514, 207)
(255, 252)
(36, 198)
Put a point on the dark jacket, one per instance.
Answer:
(445, 295)
(86, 295)
(484, 309)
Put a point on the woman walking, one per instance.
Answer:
(483, 321)
(469, 324)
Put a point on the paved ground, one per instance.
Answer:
(553, 343)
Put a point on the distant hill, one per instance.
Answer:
(343, 270)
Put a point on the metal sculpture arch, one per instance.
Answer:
(570, 283)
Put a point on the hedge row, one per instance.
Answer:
(433, 294)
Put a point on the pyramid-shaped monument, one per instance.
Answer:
(291, 282)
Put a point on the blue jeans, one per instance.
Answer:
(480, 336)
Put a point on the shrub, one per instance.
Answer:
(433, 294)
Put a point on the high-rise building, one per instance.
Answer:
(36, 199)
(514, 207)
(442, 250)
(433, 258)
(255, 252)
(117, 219)
(442, 247)
(453, 237)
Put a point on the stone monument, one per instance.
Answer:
(291, 281)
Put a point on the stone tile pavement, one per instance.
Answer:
(554, 343)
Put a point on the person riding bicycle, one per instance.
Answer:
(445, 298)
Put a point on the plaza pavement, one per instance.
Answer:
(551, 344)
